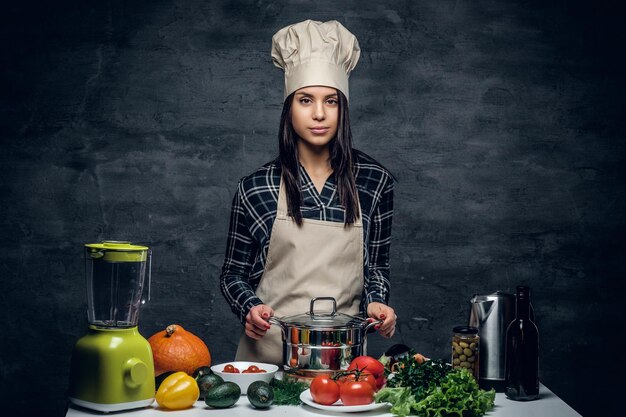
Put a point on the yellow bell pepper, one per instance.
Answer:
(178, 391)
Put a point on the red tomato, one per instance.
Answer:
(230, 369)
(253, 368)
(345, 378)
(372, 366)
(380, 382)
(324, 390)
(368, 364)
(369, 378)
(356, 393)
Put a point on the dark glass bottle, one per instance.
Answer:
(522, 352)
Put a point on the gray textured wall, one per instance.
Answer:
(134, 120)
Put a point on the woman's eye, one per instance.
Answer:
(305, 100)
(332, 101)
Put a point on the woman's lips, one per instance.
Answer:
(318, 130)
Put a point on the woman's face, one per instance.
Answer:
(315, 115)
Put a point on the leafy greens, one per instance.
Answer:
(287, 392)
(434, 389)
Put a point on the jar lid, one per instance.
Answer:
(116, 251)
(465, 330)
(118, 245)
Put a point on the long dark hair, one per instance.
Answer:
(341, 161)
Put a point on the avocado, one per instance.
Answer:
(206, 382)
(223, 396)
(260, 394)
(201, 371)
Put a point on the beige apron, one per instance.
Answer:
(317, 259)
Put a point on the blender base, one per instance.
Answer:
(112, 370)
(107, 408)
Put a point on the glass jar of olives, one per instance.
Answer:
(465, 348)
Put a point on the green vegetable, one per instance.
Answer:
(206, 382)
(287, 392)
(458, 394)
(260, 394)
(223, 396)
(201, 371)
(420, 378)
(434, 389)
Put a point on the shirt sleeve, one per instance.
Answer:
(379, 244)
(241, 250)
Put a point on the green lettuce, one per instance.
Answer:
(456, 394)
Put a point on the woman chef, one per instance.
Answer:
(316, 221)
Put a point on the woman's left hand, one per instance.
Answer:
(380, 311)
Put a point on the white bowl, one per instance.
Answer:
(244, 380)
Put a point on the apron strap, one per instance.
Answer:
(281, 210)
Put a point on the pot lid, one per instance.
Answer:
(326, 319)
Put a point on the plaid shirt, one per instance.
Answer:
(253, 213)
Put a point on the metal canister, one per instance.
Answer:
(465, 349)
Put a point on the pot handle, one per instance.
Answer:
(313, 300)
(372, 324)
(274, 320)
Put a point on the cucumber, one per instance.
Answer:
(206, 382)
(260, 394)
(223, 396)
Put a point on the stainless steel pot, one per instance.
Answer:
(322, 342)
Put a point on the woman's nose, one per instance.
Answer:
(318, 112)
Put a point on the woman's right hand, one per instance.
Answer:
(257, 321)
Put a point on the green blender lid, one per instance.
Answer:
(117, 251)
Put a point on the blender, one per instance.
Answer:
(112, 367)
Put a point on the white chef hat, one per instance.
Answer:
(315, 53)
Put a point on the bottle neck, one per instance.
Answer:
(523, 309)
(522, 304)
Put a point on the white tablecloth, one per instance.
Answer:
(548, 405)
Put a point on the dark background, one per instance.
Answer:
(134, 120)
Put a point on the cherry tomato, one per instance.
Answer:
(324, 390)
(253, 368)
(230, 369)
(356, 393)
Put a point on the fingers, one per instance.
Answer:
(388, 328)
(256, 321)
(387, 314)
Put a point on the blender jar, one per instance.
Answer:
(115, 282)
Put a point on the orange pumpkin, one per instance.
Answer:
(176, 349)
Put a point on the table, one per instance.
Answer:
(548, 405)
